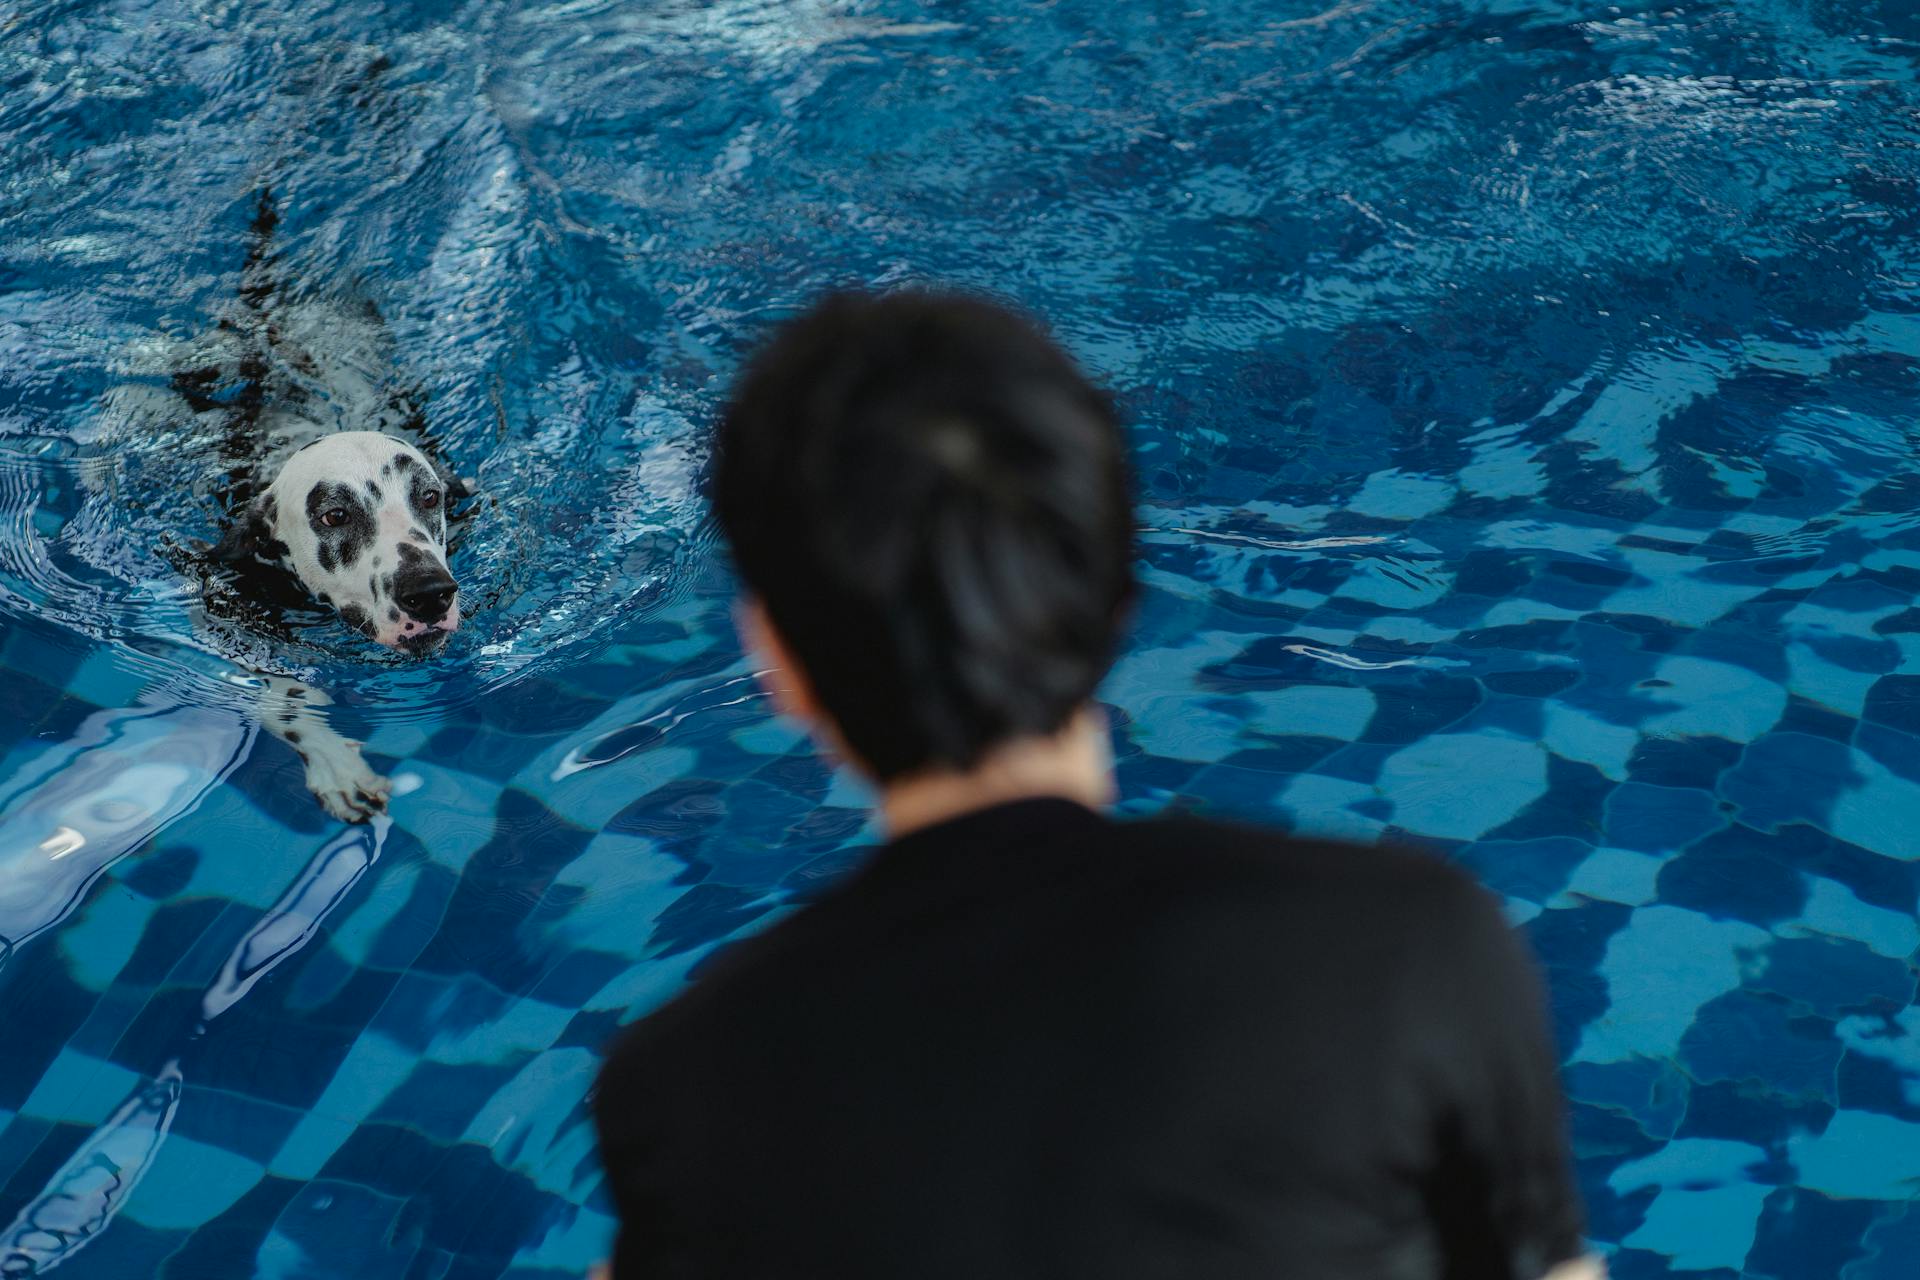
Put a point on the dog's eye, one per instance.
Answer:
(431, 498)
(334, 517)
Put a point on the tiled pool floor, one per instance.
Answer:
(1525, 405)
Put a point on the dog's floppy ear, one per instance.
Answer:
(459, 488)
(250, 536)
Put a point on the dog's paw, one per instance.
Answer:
(346, 786)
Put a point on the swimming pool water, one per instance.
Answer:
(1524, 401)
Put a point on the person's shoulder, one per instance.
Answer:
(1335, 895)
(1259, 859)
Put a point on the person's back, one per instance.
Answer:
(1026, 1040)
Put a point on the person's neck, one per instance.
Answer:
(1073, 764)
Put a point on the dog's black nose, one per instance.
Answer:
(427, 595)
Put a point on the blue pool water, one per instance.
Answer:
(1525, 411)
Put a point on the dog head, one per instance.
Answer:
(360, 518)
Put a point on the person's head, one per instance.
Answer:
(928, 504)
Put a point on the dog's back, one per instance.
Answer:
(285, 366)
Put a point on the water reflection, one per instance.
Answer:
(328, 878)
(94, 1183)
(86, 804)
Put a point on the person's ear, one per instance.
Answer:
(780, 675)
(786, 682)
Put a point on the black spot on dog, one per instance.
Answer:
(340, 546)
(356, 617)
(393, 614)
(288, 717)
(296, 692)
(293, 736)
(373, 489)
(433, 516)
(373, 586)
(409, 554)
(401, 461)
(420, 536)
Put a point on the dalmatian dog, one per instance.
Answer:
(335, 495)
(359, 520)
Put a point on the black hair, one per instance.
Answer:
(931, 502)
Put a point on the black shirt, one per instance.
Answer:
(1034, 1042)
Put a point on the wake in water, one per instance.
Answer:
(204, 380)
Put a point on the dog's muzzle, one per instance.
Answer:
(427, 596)
(430, 599)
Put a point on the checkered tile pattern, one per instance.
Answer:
(1524, 420)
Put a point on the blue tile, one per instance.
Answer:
(423, 1005)
(190, 1183)
(1747, 1111)
(1462, 786)
(1807, 1236)
(411, 928)
(1696, 764)
(1835, 977)
(1575, 806)
(128, 1248)
(1890, 1246)
(27, 1156)
(1787, 778)
(1653, 1093)
(1898, 751)
(1570, 942)
(703, 915)
(1409, 713)
(217, 1246)
(349, 1226)
(1731, 1035)
(174, 930)
(280, 1055)
(1863, 1083)
(162, 873)
(1894, 701)
(481, 931)
(36, 992)
(1881, 881)
(1721, 878)
(440, 1100)
(1533, 870)
(233, 1122)
(1658, 818)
